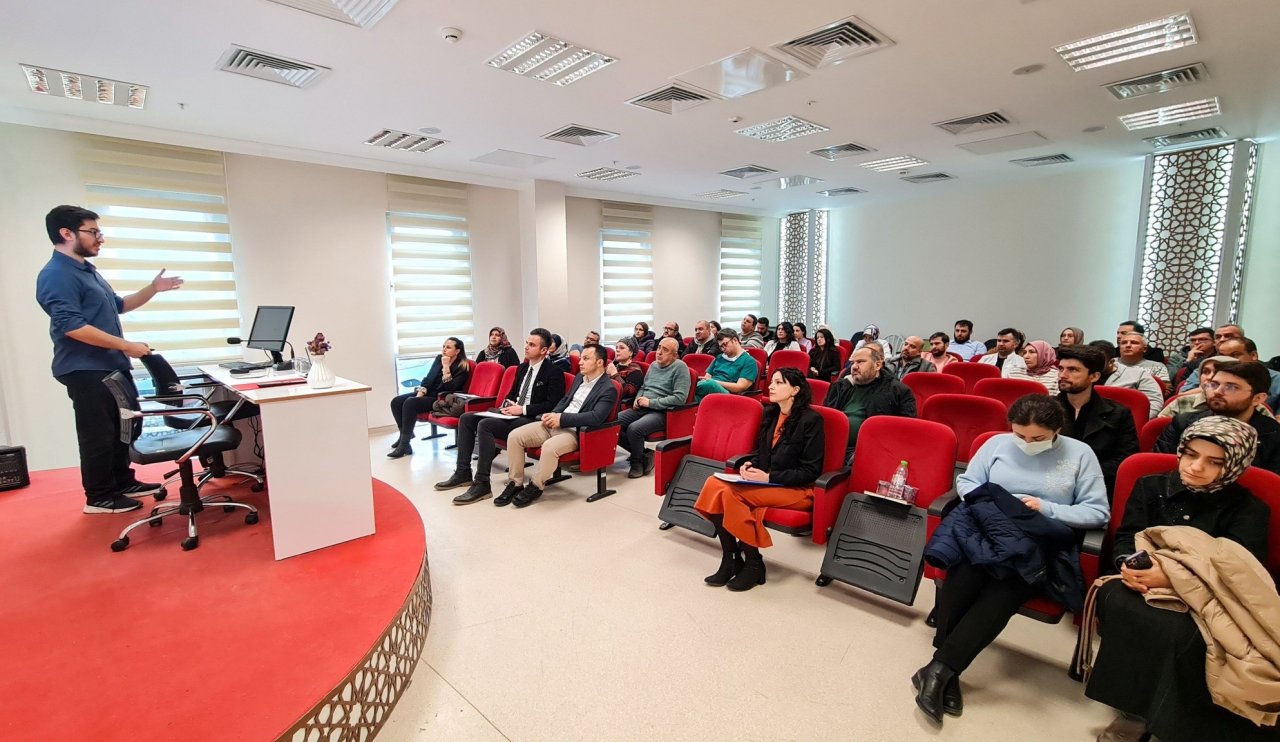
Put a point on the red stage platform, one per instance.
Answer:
(222, 642)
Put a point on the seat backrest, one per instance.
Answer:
(725, 425)
(925, 384)
(796, 359)
(820, 389)
(508, 383)
(617, 399)
(688, 341)
(693, 386)
(574, 365)
(485, 379)
(956, 356)
(651, 356)
(1265, 485)
(845, 350)
(1132, 469)
(644, 367)
(1135, 400)
(759, 355)
(1150, 433)
(1008, 391)
(568, 381)
(609, 352)
(1164, 387)
(971, 373)
(967, 415)
(835, 437)
(698, 362)
(162, 375)
(980, 440)
(927, 447)
(121, 387)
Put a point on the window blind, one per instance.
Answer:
(165, 207)
(741, 240)
(626, 268)
(430, 267)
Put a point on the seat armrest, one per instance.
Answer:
(944, 503)
(828, 496)
(735, 463)
(671, 444)
(173, 398)
(1092, 543)
(479, 404)
(833, 478)
(666, 460)
(598, 446)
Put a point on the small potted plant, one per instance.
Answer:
(320, 376)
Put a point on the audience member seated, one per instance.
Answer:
(938, 356)
(715, 327)
(750, 338)
(1152, 353)
(1129, 377)
(789, 452)
(592, 338)
(783, 339)
(646, 341)
(871, 334)
(1132, 353)
(665, 386)
(1200, 345)
(499, 349)
(1197, 399)
(910, 359)
(559, 355)
(625, 370)
(762, 327)
(964, 345)
(1041, 364)
(802, 337)
(1071, 336)
(448, 373)
(733, 371)
(704, 340)
(588, 404)
(672, 330)
(999, 552)
(1103, 425)
(1151, 665)
(1009, 344)
(1236, 390)
(867, 391)
(1242, 349)
(824, 359)
(538, 386)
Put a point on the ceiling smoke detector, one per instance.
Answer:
(88, 88)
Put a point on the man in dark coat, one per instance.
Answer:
(1102, 424)
(868, 390)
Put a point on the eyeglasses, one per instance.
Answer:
(1227, 388)
(97, 233)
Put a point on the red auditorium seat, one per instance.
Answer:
(573, 366)
(486, 383)
(845, 349)
(1008, 391)
(698, 362)
(926, 384)
(970, 373)
(762, 362)
(828, 491)
(1135, 400)
(819, 389)
(796, 359)
(967, 415)
(724, 426)
(1150, 433)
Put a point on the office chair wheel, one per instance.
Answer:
(120, 544)
(161, 494)
(155, 523)
(823, 580)
(251, 518)
(190, 543)
(256, 487)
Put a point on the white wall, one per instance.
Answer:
(1039, 255)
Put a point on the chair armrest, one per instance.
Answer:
(833, 478)
(666, 460)
(828, 496)
(598, 446)
(671, 444)
(1092, 543)
(479, 404)
(943, 504)
(173, 397)
(680, 420)
(734, 463)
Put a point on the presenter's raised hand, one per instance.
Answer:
(165, 283)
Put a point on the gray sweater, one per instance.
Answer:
(666, 387)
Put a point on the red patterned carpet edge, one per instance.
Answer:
(222, 642)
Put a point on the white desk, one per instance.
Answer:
(316, 445)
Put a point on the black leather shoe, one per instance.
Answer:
(750, 575)
(648, 463)
(508, 494)
(457, 479)
(526, 496)
(952, 701)
(730, 566)
(400, 451)
(636, 471)
(930, 683)
(474, 493)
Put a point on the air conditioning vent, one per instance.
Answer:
(834, 43)
(1041, 161)
(392, 139)
(607, 173)
(747, 171)
(927, 178)
(362, 13)
(263, 66)
(670, 99)
(794, 181)
(722, 193)
(1159, 82)
(971, 124)
(583, 136)
(1188, 137)
(841, 151)
(848, 191)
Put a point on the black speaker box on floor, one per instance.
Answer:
(13, 468)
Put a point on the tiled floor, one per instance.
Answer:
(570, 620)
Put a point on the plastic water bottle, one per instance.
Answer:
(899, 477)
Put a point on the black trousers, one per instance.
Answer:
(973, 608)
(406, 408)
(105, 469)
(475, 428)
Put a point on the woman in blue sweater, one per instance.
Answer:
(1056, 476)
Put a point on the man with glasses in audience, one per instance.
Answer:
(672, 330)
(1235, 390)
(964, 345)
(1242, 349)
(732, 372)
(88, 344)
(592, 338)
(705, 340)
(1200, 345)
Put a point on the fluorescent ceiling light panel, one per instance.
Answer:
(890, 164)
(87, 88)
(546, 58)
(1025, 140)
(507, 158)
(723, 193)
(749, 71)
(362, 13)
(1152, 37)
(607, 173)
(780, 130)
(1196, 109)
(402, 140)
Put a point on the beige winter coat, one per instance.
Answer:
(1234, 603)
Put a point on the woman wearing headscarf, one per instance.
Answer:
(1151, 664)
(559, 354)
(499, 349)
(625, 370)
(1042, 365)
(448, 373)
(1071, 336)
(872, 335)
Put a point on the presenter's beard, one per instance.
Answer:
(86, 252)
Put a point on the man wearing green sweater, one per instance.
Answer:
(665, 386)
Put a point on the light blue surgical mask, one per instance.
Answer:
(1033, 448)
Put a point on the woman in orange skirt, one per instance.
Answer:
(788, 460)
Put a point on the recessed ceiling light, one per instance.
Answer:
(794, 181)
(1028, 69)
(1092, 129)
(403, 140)
(1197, 109)
(607, 173)
(723, 193)
(894, 163)
(73, 85)
(549, 59)
(780, 130)
(1152, 37)
(362, 13)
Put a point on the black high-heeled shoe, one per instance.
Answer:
(930, 683)
(400, 450)
(730, 565)
(751, 574)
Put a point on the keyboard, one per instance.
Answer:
(243, 366)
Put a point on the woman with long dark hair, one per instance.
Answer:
(448, 374)
(824, 359)
(784, 338)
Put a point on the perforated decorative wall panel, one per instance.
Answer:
(802, 290)
(1242, 236)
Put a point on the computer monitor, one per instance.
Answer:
(270, 328)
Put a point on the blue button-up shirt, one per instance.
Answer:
(74, 294)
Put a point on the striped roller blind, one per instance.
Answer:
(430, 265)
(166, 207)
(626, 268)
(740, 247)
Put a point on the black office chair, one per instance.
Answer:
(169, 384)
(180, 447)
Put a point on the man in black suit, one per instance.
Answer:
(1101, 424)
(539, 385)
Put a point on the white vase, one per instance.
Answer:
(320, 376)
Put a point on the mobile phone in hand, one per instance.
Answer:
(1141, 560)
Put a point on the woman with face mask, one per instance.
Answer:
(1151, 663)
(1051, 474)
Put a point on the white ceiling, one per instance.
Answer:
(950, 59)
